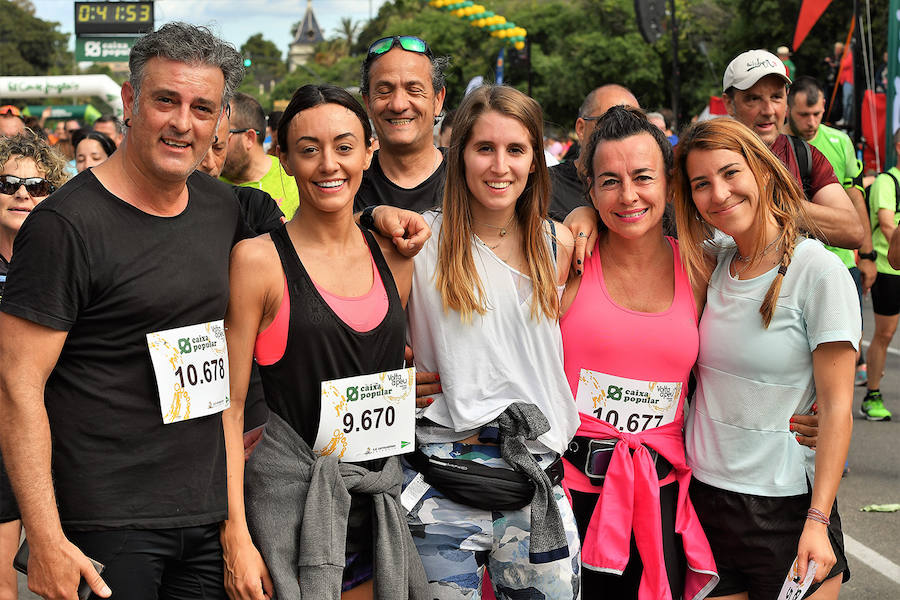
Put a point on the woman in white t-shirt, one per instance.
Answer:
(778, 334)
(483, 313)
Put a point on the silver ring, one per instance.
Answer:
(581, 234)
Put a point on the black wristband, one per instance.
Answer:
(868, 255)
(367, 218)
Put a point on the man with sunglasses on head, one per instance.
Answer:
(247, 164)
(115, 370)
(11, 122)
(403, 90)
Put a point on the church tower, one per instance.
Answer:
(306, 37)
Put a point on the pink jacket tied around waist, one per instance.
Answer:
(629, 501)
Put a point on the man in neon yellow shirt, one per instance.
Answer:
(247, 163)
(886, 292)
(806, 105)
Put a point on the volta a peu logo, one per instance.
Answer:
(184, 345)
(352, 393)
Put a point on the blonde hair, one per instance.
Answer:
(456, 277)
(780, 198)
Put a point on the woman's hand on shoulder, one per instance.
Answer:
(565, 247)
(582, 222)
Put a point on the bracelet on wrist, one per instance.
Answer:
(814, 514)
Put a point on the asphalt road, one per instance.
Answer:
(872, 539)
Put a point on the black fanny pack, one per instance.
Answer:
(592, 457)
(477, 485)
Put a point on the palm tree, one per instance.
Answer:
(348, 31)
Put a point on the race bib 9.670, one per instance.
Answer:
(369, 416)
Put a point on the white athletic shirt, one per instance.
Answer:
(496, 359)
(751, 380)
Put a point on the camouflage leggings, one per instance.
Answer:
(457, 542)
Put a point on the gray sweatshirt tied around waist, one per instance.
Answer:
(297, 506)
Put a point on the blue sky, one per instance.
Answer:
(234, 20)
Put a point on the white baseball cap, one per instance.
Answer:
(751, 66)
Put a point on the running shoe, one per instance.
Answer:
(873, 408)
(862, 377)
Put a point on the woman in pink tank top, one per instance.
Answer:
(630, 340)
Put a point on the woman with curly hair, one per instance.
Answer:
(30, 170)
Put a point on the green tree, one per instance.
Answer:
(29, 45)
(267, 64)
(577, 45)
(343, 72)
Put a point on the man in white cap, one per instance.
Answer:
(755, 93)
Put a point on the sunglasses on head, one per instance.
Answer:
(409, 43)
(257, 131)
(36, 186)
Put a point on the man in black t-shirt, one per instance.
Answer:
(566, 187)
(106, 268)
(403, 90)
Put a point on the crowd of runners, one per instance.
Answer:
(634, 370)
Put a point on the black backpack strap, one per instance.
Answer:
(868, 192)
(552, 238)
(803, 156)
(896, 191)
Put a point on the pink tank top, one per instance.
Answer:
(600, 335)
(363, 313)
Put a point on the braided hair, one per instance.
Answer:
(780, 198)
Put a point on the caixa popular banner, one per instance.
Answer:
(103, 49)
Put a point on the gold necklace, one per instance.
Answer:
(503, 229)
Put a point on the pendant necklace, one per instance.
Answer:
(747, 259)
(503, 229)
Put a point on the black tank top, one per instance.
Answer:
(321, 347)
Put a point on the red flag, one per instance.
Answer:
(810, 11)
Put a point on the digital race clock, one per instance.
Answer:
(113, 17)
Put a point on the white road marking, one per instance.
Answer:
(872, 559)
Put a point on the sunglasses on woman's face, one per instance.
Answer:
(36, 186)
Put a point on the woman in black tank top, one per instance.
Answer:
(325, 143)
